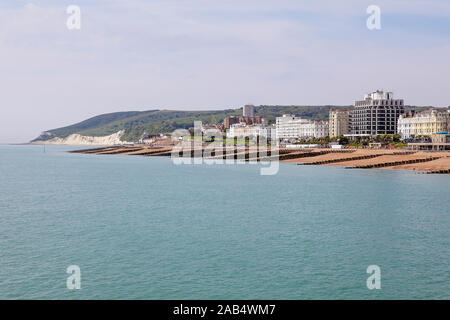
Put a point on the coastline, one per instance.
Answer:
(396, 159)
(82, 140)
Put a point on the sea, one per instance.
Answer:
(139, 227)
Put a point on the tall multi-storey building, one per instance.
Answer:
(292, 127)
(423, 123)
(248, 110)
(377, 114)
(339, 122)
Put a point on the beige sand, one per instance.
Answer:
(435, 165)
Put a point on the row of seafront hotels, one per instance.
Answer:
(378, 114)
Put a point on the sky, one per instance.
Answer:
(206, 54)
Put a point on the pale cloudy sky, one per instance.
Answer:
(207, 54)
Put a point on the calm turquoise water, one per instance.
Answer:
(143, 228)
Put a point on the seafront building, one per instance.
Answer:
(315, 129)
(292, 127)
(423, 123)
(240, 130)
(288, 126)
(339, 122)
(440, 141)
(377, 114)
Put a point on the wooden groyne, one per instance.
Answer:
(340, 160)
(439, 171)
(119, 151)
(437, 166)
(420, 161)
(95, 150)
(394, 163)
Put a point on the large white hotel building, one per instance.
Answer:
(292, 127)
(377, 114)
(423, 123)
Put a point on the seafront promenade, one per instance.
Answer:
(421, 161)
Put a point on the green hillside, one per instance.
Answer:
(158, 121)
(307, 112)
(95, 122)
(136, 123)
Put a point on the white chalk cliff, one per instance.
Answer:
(79, 140)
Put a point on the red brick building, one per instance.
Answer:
(238, 119)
